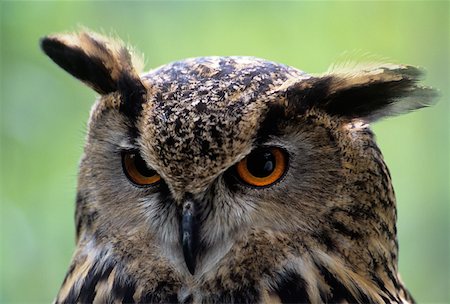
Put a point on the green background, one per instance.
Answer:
(44, 110)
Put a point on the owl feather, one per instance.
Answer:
(233, 180)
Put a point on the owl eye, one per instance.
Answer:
(137, 171)
(263, 167)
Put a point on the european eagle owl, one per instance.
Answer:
(233, 180)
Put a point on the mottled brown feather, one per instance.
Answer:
(324, 233)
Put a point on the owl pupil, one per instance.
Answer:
(141, 166)
(261, 163)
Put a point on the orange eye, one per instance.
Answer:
(263, 167)
(136, 170)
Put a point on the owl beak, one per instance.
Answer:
(188, 234)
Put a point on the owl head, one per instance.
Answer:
(238, 159)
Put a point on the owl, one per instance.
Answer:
(233, 180)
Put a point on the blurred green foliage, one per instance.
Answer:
(44, 110)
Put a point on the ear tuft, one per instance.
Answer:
(368, 92)
(97, 61)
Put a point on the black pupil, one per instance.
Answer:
(141, 166)
(261, 163)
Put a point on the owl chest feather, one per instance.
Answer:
(257, 269)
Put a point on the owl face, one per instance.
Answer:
(195, 139)
(190, 163)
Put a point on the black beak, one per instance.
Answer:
(188, 232)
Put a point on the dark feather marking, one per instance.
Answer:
(94, 72)
(383, 171)
(346, 230)
(391, 275)
(123, 290)
(292, 289)
(362, 101)
(271, 124)
(324, 237)
(128, 295)
(75, 61)
(133, 95)
(99, 46)
(307, 94)
(188, 300)
(380, 285)
(247, 294)
(359, 101)
(338, 290)
(79, 201)
(95, 274)
(386, 230)
(72, 297)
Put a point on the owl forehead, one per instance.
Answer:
(203, 114)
